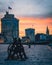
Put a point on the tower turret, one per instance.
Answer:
(47, 31)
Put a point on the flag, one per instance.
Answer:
(9, 8)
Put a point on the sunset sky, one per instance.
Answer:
(35, 14)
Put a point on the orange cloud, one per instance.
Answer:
(39, 24)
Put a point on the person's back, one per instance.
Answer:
(17, 49)
(21, 50)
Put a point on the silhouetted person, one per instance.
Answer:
(12, 49)
(21, 50)
(16, 50)
(29, 46)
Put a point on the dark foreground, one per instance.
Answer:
(37, 55)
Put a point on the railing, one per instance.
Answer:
(34, 43)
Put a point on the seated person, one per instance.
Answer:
(16, 49)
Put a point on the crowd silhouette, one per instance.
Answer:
(16, 50)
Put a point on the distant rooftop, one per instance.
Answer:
(29, 29)
(7, 15)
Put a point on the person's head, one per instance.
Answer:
(14, 39)
(19, 40)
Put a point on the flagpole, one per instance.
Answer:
(9, 9)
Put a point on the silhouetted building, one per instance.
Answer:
(47, 31)
(29, 32)
(25, 39)
(10, 27)
(1, 38)
(40, 37)
(50, 38)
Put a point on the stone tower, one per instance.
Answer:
(10, 27)
(47, 31)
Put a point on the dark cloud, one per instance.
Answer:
(4, 5)
(1, 3)
(35, 8)
(49, 14)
